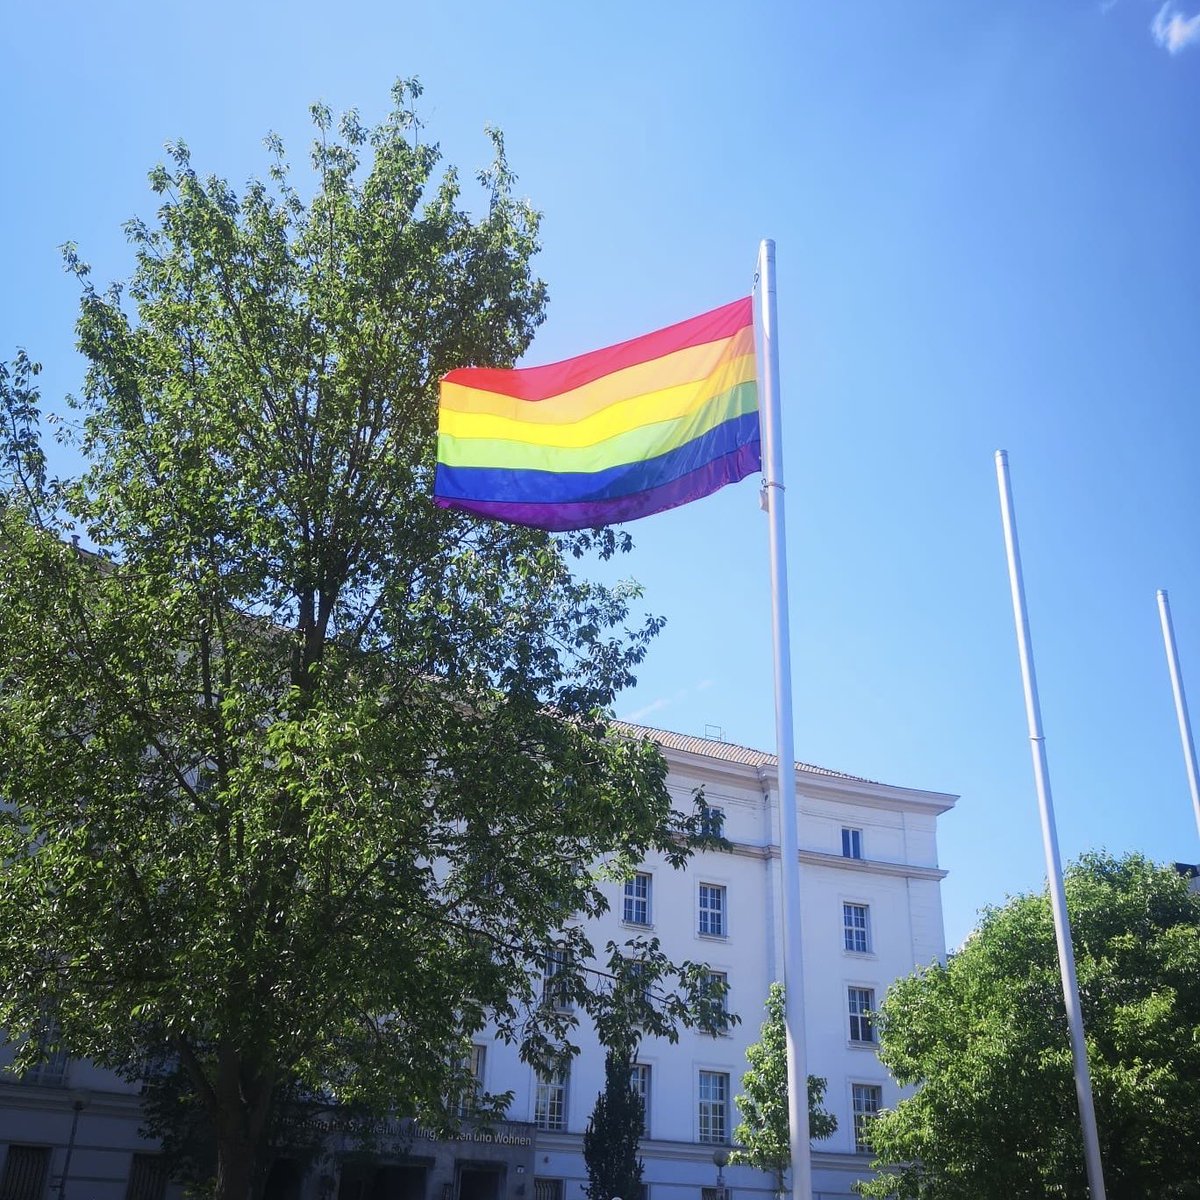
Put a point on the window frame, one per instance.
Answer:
(640, 1075)
(636, 968)
(547, 1188)
(852, 842)
(712, 821)
(861, 1117)
(630, 900)
(478, 1061)
(862, 1019)
(148, 1177)
(710, 914)
(33, 1160)
(550, 1098)
(475, 1063)
(54, 1067)
(722, 977)
(712, 1113)
(554, 964)
(852, 931)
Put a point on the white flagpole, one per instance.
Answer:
(1058, 896)
(789, 846)
(1181, 709)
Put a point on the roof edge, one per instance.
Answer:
(732, 753)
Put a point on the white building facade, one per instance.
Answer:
(871, 912)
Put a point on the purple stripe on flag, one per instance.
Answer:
(729, 468)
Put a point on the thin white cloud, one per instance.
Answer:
(639, 714)
(1172, 30)
(657, 705)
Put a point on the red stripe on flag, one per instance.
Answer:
(544, 383)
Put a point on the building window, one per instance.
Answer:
(718, 992)
(639, 979)
(862, 1009)
(478, 1059)
(25, 1170)
(852, 843)
(556, 986)
(547, 1189)
(474, 1064)
(50, 1073)
(550, 1106)
(52, 1070)
(639, 1081)
(868, 1099)
(714, 1106)
(147, 1178)
(712, 910)
(637, 900)
(712, 822)
(856, 928)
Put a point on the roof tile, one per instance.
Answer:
(725, 751)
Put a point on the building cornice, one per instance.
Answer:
(38, 1098)
(875, 795)
(732, 761)
(687, 1151)
(811, 784)
(818, 858)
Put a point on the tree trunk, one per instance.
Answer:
(236, 1166)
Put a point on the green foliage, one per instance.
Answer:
(763, 1135)
(302, 772)
(984, 1040)
(21, 456)
(610, 1143)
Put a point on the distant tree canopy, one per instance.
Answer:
(984, 1041)
(763, 1135)
(302, 774)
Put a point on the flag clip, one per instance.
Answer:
(763, 502)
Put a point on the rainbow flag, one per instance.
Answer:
(606, 437)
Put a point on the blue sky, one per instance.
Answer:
(986, 219)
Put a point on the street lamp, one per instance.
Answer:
(720, 1158)
(78, 1104)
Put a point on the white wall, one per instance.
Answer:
(898, 879)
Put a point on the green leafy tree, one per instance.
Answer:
(636, 987)
(763, 1135)
(303, 774)
(610, 1142)
(984, 1041)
